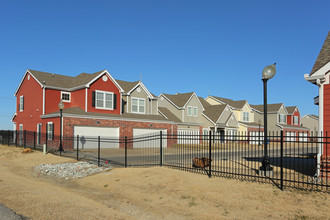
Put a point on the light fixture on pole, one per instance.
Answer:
(61, 107)
(267, 73)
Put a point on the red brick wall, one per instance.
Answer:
(125, 127)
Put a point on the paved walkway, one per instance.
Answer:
(8, 214)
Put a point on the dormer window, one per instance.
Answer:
(282, 118)
(195, 112)
(104, 100)
(246, 116)
(66, 96)
(138, 105)
(295, 120)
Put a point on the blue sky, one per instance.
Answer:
(210, 47)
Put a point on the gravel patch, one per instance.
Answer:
(71, 170)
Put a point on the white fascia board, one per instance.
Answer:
(209, 119)
(282, 106)
(321, 72)
(111, 78)
(65, 89)
(212, 97)
(227, 106)
(19, 86)
(194, 94)
(314, 78)
(170, 101)
(162, 114)
(143, 87)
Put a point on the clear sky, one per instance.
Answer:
(210, 47)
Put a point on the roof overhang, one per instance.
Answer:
(111, 78)
(320, 74)
(144, 88)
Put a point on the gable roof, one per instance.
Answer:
(58, 81)
(168, 114)
(270, 107)
(213, 112)
(203, 102)
(235, 104)
(291, 109)
(179, 99)
(127, 86)
(323, 57)
(316, 117)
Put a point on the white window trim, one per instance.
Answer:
(138, 105)
(104, 93)
(20, 103)
(294, 120)
(279, 119)
(49, 137)
(194, 107)
(68, 93)
(248, 116)
(191, 112)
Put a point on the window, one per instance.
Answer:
(295, 120)
(20, 134)
(138, 105)
(104, 100)
(66, 96)
(189, 111)
(282, 118)
(38, 134)
(195, 111)
(246, 116)
(21, 103)
(50, 131)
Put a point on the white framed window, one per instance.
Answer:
(246, 116)
(195, 111)
(138, 105)
(282, 118)
(20, 134)
(21, 103)
(50, 131)
(66, 96)
(295, 120)
(189, 111)
(104, 100)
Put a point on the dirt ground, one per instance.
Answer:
(145, 193)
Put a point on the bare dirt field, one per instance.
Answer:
(145, 193)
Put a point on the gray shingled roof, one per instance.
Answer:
(125, 85)
(290, 109)
(324, 55)
(270, 107)
(213, 112)
(169, 114)
(62, 81)
(235, 104)
(179, 99)
(203, 102)
(79, 111)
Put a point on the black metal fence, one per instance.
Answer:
(298, 161)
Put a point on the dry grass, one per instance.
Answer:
(146, 193)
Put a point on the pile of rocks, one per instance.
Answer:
(70, 170)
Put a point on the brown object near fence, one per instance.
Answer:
(201, 162)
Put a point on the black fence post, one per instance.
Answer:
(281, 163)
(24, 136)
(98, 151)
(77, 147)
(210, 154)
(8, 137)
(125, 151)
(34, 140)
(161, 148)
(16, 137)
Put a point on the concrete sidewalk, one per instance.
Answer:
(8, 214)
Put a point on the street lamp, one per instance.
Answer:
(267, 73)
(61, 107)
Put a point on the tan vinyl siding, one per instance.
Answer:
(194, 102)
(163, 102)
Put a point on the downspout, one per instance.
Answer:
(320, 147)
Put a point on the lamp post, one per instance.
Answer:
(267, 73)
(61, 107)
